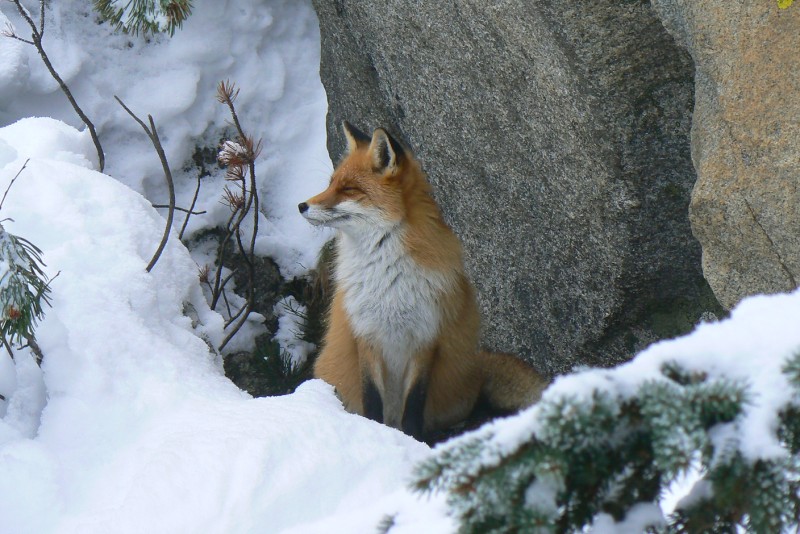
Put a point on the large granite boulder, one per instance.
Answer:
(556, 136)
(745, 208)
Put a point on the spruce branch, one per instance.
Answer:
(606, 453)
(37, 33)
(152, 133)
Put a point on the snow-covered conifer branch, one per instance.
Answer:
(146, 16)
(577, 457)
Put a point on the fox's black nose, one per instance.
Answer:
(303, 207)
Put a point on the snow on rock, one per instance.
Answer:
(131, 426)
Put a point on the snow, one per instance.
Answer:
(639, 518)
(750, 347)
(131, 426)
(269, 49)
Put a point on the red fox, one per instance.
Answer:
(401, 345)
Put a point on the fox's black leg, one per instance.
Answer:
(414, 411)
(373, 404)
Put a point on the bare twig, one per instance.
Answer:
(36, 40)
(8, 31)
(37, 351)
(8, 347)
(14, 179)
(41, 18)
(227, 306)
(178, 208)
(191, 207)
(216, 291)
(226, 280)
(152, 133)
(236, 315)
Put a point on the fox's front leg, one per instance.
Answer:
(338, 362)
(372, 383)
(414, 410)
(417, 384)
(373, 403)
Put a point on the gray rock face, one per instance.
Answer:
(745, 208)
(556, 136)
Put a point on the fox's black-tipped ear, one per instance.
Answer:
(385, 150)
(355, 137)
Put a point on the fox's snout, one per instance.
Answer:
(302, 207)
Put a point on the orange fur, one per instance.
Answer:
(382, 183)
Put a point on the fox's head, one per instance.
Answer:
(367, 187)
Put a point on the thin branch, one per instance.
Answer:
(152, 133)
(191, 207)
(132, 114)
(8, 347)
(227, 306)
(36, 40)
(37, 351)
(41, 18)
(171, 186)
(27, 16)
(227, 279)
(238, 326)
(215, 294)
(14, 179)
(178, 208)
(9, 32)
(235, 316)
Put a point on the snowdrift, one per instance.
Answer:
(131, 425)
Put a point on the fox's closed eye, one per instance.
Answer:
(351, 190)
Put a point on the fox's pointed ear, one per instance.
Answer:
(385, 151)
(355, 137)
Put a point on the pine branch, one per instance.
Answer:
(227, 93)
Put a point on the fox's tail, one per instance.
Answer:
(510, 383)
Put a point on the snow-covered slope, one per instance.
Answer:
(131, 425)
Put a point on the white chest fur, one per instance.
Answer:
(390, 299)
